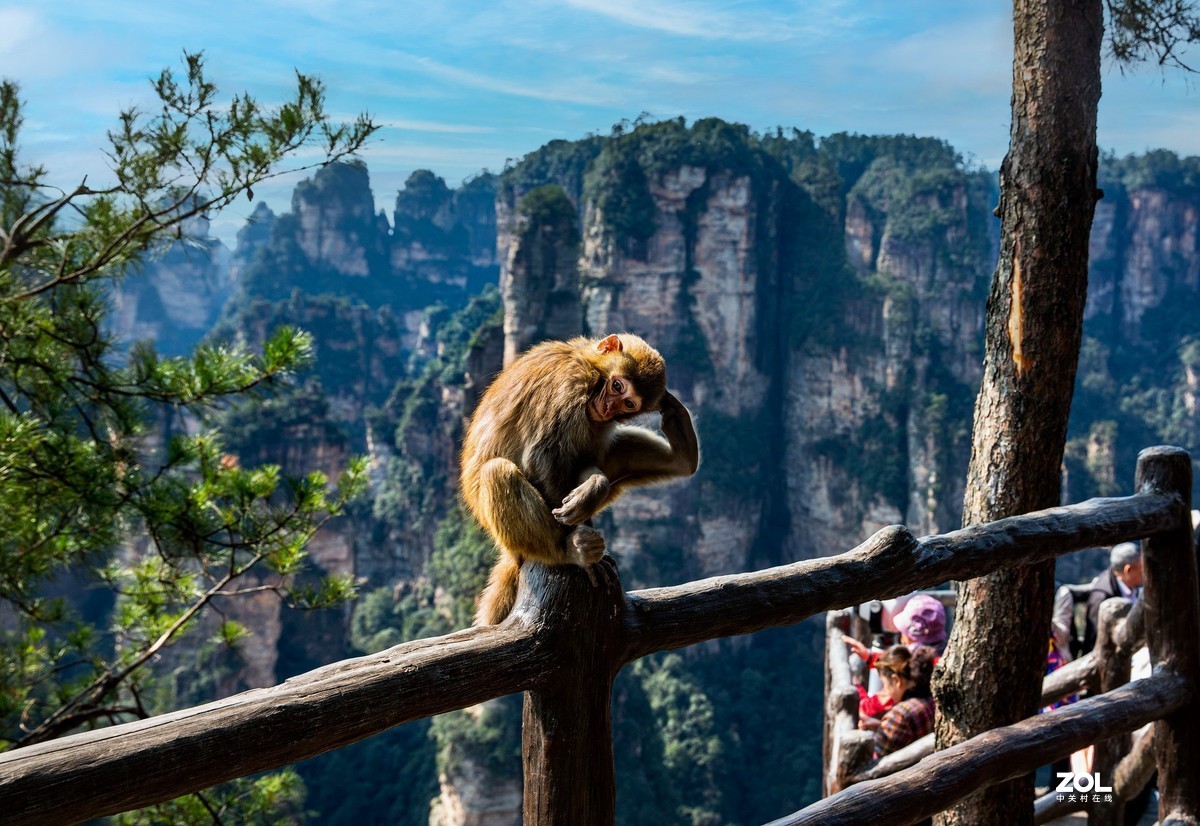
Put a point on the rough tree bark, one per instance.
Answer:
(991, 674)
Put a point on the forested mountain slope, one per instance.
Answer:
(820, 305)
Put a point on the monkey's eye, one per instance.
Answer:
(630, 404)
(618, 386)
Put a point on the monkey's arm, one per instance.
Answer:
(636, 456)
(517, 517)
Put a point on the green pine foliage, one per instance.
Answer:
(276, 799)
(113, 474)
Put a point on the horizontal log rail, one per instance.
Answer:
(113, 769)
(889, 564)
(1132, 775)
(1001, 754)
(1083, 673)
(910, 755)
(1075, 676)
(1169, 618)
(566, 640)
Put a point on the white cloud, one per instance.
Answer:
(434, 126)
(972, 55)
(17, 27)
(583, 91)
(676, 75)
(695, 20)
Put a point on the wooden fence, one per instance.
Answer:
(1128, 765)
(566, 641)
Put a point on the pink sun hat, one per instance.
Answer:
(923, 620)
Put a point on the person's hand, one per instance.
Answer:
(857, 647)
(868, 723)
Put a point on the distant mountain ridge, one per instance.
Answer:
(820, 305)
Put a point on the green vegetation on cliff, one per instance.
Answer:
(1156, 169)
(1137, 381)
(562, 162)
(870, 259)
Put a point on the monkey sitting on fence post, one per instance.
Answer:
(548, 447)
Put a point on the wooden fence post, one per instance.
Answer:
(1113, 663)
(1172, 599)
(848, 748)
(566, 741)
(832, 620)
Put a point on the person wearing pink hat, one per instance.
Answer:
(922, 621)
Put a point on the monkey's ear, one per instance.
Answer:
(609, 345)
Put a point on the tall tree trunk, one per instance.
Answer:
(992, 671)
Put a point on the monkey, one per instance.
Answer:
(548, 447)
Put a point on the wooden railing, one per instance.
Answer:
(1121, 632)
(566, 641)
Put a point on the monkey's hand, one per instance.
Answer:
(676, 424)
(586, 545)
(581, 504)
(670, 407)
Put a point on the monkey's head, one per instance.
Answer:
(633, 378)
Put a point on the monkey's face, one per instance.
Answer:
(614, 399)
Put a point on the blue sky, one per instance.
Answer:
(461, 86)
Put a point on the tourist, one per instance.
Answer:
(905, 676)
(1122, 579)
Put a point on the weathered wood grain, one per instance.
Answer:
(1135, 769)
(110, 770)
(1079, 674)
(1172, 600)
(1128, 780)
(854, 750)
(995, 756)
(889, 564)
(566, 739)
(833, 621)
(841, 714)
(1083, 673)
(1113, 667)
(910, 755)
(565, 642)
(1048, 807)
(1073, 677)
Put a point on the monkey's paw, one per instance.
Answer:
(581, 504)
(587, 545)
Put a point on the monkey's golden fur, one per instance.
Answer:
(535, 465)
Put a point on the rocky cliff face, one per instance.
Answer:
(878, 429)
(174, 297)
(334, 223)
(1137, 369)
(364, 289)
(445, 236)
(539, 278)
(698, 289)
(806, 422)
(439, 249)
(820, 307)
(1144, 246)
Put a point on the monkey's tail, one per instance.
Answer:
(500, 593)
